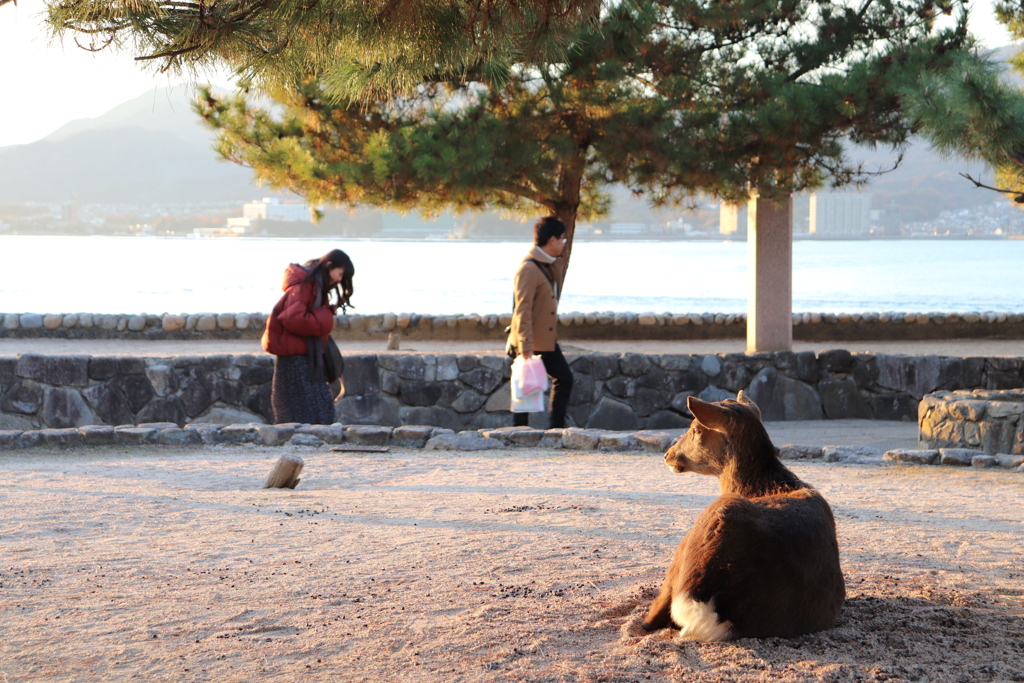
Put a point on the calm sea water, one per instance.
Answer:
(178, 275)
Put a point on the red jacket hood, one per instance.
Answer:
(293, 275)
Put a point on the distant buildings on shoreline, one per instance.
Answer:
(822, 215)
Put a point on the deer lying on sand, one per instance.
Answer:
(760, 561)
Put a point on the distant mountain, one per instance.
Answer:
(152, 149)
(168, 110)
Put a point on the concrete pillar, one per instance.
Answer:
(770, 266)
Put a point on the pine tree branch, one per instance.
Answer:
(1018, 197)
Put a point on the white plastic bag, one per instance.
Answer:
(528, 383)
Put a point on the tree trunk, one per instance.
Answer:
(285, 474)
(566, 210)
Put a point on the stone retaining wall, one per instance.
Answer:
(572, 326)
(612, 391)
(990, 421)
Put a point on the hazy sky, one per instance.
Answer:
(44, 85)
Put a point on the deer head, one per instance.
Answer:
(709, 446)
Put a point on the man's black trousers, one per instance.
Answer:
(561, 387)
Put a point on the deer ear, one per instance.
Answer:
(712, 416)
(742, 398)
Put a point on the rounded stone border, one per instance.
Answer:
(438, 438)
(576, 324)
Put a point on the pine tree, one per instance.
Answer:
(669, 98)
(365, 48)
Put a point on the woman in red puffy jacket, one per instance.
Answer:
(296, 332)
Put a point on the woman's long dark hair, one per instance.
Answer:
(319, 272)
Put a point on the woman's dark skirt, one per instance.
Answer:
(297, 398)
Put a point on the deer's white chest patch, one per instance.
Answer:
(699, 620)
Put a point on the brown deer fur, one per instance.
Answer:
(760, 561)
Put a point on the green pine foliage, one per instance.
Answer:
(363, 48)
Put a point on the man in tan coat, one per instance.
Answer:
(535, 316)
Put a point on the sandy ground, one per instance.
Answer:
(116, 347)
(494, 566)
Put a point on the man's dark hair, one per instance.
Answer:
(546, 228)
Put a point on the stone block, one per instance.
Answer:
(529, 437)
(431, 415)
(733, 376)
(841, 399)
(206, 323)
(133, 435)
(797, 452)
(982, 462)
(64, 408)
(655, 441)
(634, 364)
(8, 437)
(500, 400)
(674, 362)
(332, 434)
(109, 404)
(61, 371)
(221, 415)
(169, 409)
(136, 323)
(582, 439)
(28, 439)
(1008, 461)
(172, 323)
(257, 375)
(24, 397)
(957, 457)
(649, 401)
(618, 441)
(174, 436)
(916, 375)
(134, 366)
(893, 405)
(612, 415)
(11, 321)
(468, 401)
(851, 454)
(375, 410)
(713, 393)
(61, 438)
(368, 435)
(410, 367)
(622, 387)
(361, 377)
(274, 435)
(667, 419)
(604, 366)
(226, 321)
(31, 321)
(836, 360)
(484, 380)
(552, 438)
(463, 441)
(917, 457)
(390, 383)
(302, 439)
(414, 436)
(997, 437)
(97, 435)
(966, 410)
(780, 397)
(102, 368)
(416, 393)
(711, 366)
